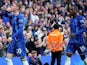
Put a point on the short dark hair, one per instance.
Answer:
(56, 26)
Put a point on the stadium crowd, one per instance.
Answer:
(40, 16)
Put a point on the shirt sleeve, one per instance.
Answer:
(82, 26)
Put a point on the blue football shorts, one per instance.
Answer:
(18, 48)
(72, 47)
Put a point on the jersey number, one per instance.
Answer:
(82, 48)
(19, 51)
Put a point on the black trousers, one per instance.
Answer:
(56, 56)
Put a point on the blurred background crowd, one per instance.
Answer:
(40, 16)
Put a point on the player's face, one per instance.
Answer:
(14, 9)
(72, 13)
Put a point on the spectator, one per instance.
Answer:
(44, 42)
(3, 42)
(34, 60)
(38, 46)
(30, 45)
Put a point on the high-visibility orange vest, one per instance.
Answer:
(55, 41)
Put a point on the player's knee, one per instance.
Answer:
(9, 55)
(82, 57)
